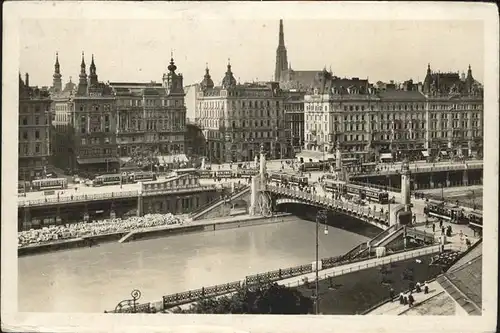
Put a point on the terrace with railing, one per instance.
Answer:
(345, 266)
(23, 202)
(472, 165)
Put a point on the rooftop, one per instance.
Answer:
(463, 281)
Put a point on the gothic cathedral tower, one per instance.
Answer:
(281, 57)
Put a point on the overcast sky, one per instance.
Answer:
(139, 50)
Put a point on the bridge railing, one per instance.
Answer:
(220, 199)
(353, 208)
(109, 195)
(428, 168)
(188, 188)
(77, 198)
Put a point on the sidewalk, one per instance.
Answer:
(394, 308)
(357, 266)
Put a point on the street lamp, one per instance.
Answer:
(321, 215)
(119, 165)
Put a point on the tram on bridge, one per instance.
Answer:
(49, 184)
(285, 179)
(240, 173)
(445, 211)
(363, 192)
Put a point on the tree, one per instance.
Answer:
(261, 299)
(144, 157)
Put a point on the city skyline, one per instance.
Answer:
(378, 56)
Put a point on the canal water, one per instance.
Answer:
(96, 279)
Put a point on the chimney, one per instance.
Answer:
(27, 80)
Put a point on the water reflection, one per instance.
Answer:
(95, 279)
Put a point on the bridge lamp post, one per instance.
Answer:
(321, 215)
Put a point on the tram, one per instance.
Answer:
(49, 184)
(142, 176)
(371, 194)
(475, 221)
(312, 166)
(283, 178)
(377, 195)
(206, 174)
(105, 180)
(224, 174)
(185, 171)
(445, 211)
(246, 173)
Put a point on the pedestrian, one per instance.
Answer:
(391, 294)
(440, 223)
(433, 227)
(401, 298)
(418, 287)
(411, 300)
(426, 222)
(405, 300)
(426, 288)
(467, 242)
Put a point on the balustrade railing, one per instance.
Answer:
(109, 195)
(427, 168)
(190, 296)
(211, 203)
(353, 208)
(77, 198)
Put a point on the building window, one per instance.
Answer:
(37, 135)
(37, 148)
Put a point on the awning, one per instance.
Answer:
(425, 153)
(97, 160)
(168, 159)
(444, 153)
(386, 156)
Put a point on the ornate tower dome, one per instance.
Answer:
(207, 82)
(228, 81)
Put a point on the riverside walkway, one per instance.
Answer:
(394, 308)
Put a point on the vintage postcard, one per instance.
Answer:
(249, 167)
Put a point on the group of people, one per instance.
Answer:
(95, 228)
(408, 298)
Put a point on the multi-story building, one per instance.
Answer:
(294, 117)
(34, 131)
(85, 122)
(443, 118)
(190, 100)
(455, 113)
(152, 117)
(238, 118)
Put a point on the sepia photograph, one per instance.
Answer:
(177, 161)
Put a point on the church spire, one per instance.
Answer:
(82, 83)
(83, 73)
(93, 72)
(56, 78)
(281, 55)
(281, 35)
